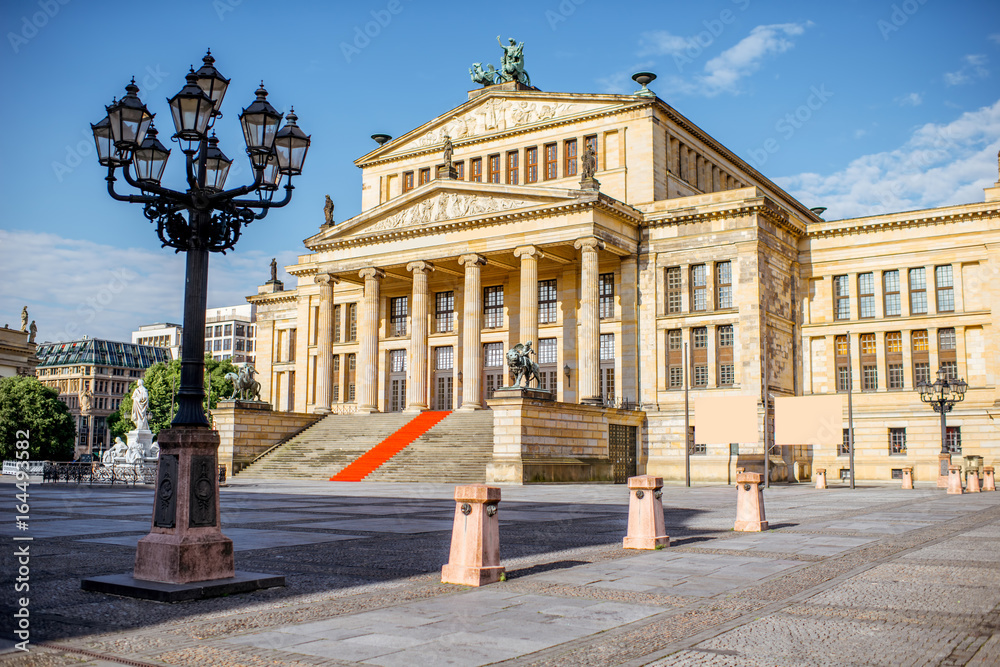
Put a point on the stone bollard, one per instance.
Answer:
(989, 482)
(972, 481)
(475, 538)
(907, 477)
(954, 480)
(820, 478)
(645, 514)
(750, 503)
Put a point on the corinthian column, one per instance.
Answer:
(416, 384)
(324, 338)
(528, 314)
(588, 344)
(367, 369)
(472, 348)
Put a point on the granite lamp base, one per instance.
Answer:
(471, 575)
(183, 559)
(128, 586)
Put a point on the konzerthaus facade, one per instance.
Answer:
(680, 244)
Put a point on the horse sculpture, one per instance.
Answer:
(519, 361)
(244, 384)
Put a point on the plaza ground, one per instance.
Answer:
(873, 576)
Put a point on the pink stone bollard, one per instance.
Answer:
(645, 514)
(750, 503)
(907, 478)
(954, 480)
(820, 478)
(989, 482)
(185, 543)
(972, 481)
(475, 538)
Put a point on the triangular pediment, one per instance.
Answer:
(496, 113)
(440, 203)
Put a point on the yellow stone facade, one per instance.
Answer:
(404, 306)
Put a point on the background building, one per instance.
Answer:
(230, 332)
(92, 376)
(17, 353)
(163, 334)
(678, 254)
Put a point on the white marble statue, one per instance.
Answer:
(134, 454)
(140, 407)
(115, 454)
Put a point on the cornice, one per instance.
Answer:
(285, 296)
(761, 206)
(922, 218)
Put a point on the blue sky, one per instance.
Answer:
(861, 106)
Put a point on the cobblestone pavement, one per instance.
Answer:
(873, 576)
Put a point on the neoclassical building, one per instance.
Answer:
(676, 249)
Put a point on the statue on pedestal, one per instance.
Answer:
(24, 319)
(244, 385)
(32, 332)
(520, 363)
(328, 210)
(274, 270)
(140, 407)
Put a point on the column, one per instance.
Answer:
(589, 332)
(324, 339)
(416, 385)
(366, 377)
(528, 314)
(472, 347)
(930, 280)
(878, 277)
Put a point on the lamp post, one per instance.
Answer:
(943, 395)
(185, 544)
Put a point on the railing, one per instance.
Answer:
(620, 403)
(96, 473)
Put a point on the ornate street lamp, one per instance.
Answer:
(205, 218)
(943, 395)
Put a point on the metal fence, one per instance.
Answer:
(96, 473)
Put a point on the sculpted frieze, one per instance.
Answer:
(497, 115)
(445, 206)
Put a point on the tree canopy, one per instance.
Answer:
(28, 405)
(162, 380)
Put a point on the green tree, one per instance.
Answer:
(162, 380)
(28, 405)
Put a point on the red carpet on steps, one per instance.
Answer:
(385, 450)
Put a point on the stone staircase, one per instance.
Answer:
(456, 449)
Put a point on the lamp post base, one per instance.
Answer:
(944, 462)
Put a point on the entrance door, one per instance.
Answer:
(493, 371)
(621, 449)
(444, 362)
(396, 400)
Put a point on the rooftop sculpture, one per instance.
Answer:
(511, 66)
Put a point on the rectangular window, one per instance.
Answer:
(512, 168)
(869, 377)
(842, 350)
(724, 285)
(336, 324)
(226, 343)
(894, 342)
(493, 168)
(918, 291)
(551, 162)
(547, 297)
(895, 376)
(590, 142)
(444, 358)
(607, 347)
(945, 289)
(398, 310)
(897, 441)
(217, 346)
(227, 330)
(698, 294)
(867, 344)
(335, 373)
(675, 358)
(407, 181)
(700, 337)
(920, 341)
(866, 295)
(841, 298)
(397, 361)
(700, 376)
(460, 170)
(548, 351)
(425, 176)
(674, 340)
(890, 285)
(946, 340)
(950, 369)
(569, 157)
(531, 164)
(869, 370)
(844, 448)
(921, 372)
(352, 315)
(241, 330)
(218, 330)
(476, 169)
(493, 355)
(726, 335)
(208, 346)
(444, 312)
(208, 332)
(674, 289)
(953, 439)
(727, 374)
(493, 306)
(606, 290)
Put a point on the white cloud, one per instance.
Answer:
(995, 37)
(860, 133)
(75, 287)
(724, 72)
(911, 100)
(941, 164)
(974, 67)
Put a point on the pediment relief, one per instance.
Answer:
(446, 206)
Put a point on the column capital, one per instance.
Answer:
(421, 266)
(589, 244)
(371, 272)
(528, 251)
(326, 280)
(471, 260)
